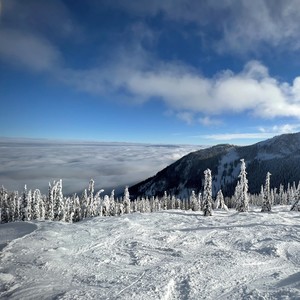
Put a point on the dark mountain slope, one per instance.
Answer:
(279, 155)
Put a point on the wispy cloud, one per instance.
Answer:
(237, 136)
(243, 26)
(28, 50)
(280, 129)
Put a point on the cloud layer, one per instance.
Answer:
(111, 165)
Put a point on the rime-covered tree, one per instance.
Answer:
(26, 205)
(4, 214)
(91, 189)
(36, 204)
(220, 203)
(50, 201)
(112, 204)
(76, 208)
(207, 193)
(165, 201)
(58, 208)
(296, 204)
(126, 201)
(84, 204)
(194, 202)
(266, 205)
(242, 200)
(106, 206)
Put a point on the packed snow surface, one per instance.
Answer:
(165, 255)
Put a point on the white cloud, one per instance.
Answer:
(237, 136)
(244, 26)
(281, 129)
(31, 51)
(208, 121)
(252, 90)
(186, 117)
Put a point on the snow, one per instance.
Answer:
(165, 255)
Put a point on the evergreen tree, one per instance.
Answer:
(106, 206)
(36, 204)
(58, 208)
(220, 203)
(165, 201)
(84, 204)
(242, 200)
(194, 202)
(266, 206)
(207, 194)
(112, 204)
(296, 205)
(50, 201)
(126, 201)
(90, 202)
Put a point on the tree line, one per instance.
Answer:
(32, 205)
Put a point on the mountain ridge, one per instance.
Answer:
(278, 155)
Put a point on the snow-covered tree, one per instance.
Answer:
(36, 204)
(194, 202)
(207, 193)
(106, 206)
(112, 204)
(242, 200)
(165, 201)
(266, 206)
(296, 204)
(58, 201)
(90, 210)
(126, 201)
(220, 203)
(84, 204)
(50, 201)
(26, 205)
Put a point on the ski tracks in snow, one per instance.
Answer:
(166, 255)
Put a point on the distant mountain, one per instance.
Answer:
(279, 155)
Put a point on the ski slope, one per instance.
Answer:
(166, 255)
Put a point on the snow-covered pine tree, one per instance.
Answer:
(296, 204)
(76, 208)
(220, 203)
(4, 215)
(42, 207)
(84, 204)
(90, 202)
(242, 201)
(207, 193)
(58, 208)
(36, 204)
(173, 202)
(112, 204)
(50, 202)
(266, 206)
(126, 201)
(26, 205)
(194, 202)
(165, 201)
(105, 206)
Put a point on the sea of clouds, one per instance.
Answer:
(112, 165)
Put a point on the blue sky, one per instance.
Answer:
(182, 72)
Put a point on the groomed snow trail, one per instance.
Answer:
(165, 255)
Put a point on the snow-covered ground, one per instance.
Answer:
(165, 255)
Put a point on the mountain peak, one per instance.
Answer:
(279, 155)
